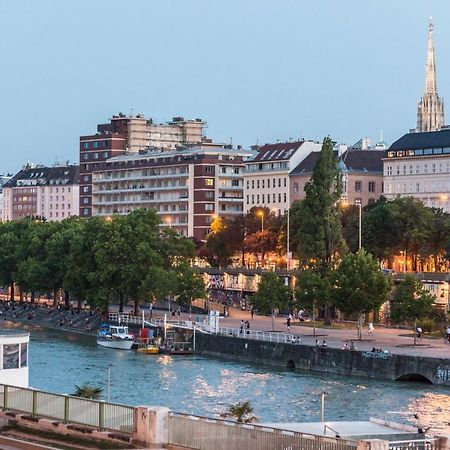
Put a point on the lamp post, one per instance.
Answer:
(108, 384)
(288, 256)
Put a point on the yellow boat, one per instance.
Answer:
(150, 349)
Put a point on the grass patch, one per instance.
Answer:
(61, 437)
(333, 326)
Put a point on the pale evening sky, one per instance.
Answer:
(256, 70)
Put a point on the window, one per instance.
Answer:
(257, 184)
(85, 156)
(268, 198)
(263, 200)
(105, 154)
(257, 199)
(425, 168)
(417, 169)
(253, 184)
(85, 144)
(295, 187)
(273, 198)
(371, 186)
(248, 199)
(209, 195)
(389, 170)
(85, 212)
(285, 197)
(398, 170)
(209, 182)
(85, 189)
(10, 356)
(404, 170)
(433, 168)
(253, 199)
(235, 183)
(279, 198)
(85, 201)
(410, 170)
(236, 170)
(96, 155)
(285, 182)
(85, 179)
(248, 184)
(417, 187)
(209, 206)
(358, 186)
(95, 144)
(279, 182)
(273, 182)
(210, 169)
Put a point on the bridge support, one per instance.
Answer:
(151, 425)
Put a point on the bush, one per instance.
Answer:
(438, 315)
(427, 325)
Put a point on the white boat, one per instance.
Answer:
(115, 336)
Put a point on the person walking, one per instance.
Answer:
(370, 328)
(241, 329)
(252, 311)
(288, 323)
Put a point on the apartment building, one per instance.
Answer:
(3, 180)
(48, 192)
(266, 179)
(362, 175)
(129, 135)
(187, 187)
(418, 165)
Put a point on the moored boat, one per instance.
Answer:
(115, 336)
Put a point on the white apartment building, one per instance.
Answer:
(38, 191)
(188, 188)
(418, 165)
(266, 178)
(3, 180)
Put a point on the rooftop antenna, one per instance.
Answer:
(303, 137)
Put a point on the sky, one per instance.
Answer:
(256, 70)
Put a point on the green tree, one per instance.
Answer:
(190, 285)
(242, 412)
(379, 230)
(319, 229)
(410, 302)
(88, 391)
(360, 287)
(313, 288)
(272, 294)
(224, 240)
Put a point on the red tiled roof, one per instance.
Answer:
(277, 152)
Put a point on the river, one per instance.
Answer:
(207, 386)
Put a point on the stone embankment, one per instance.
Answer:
(59, 318)
(325, 359)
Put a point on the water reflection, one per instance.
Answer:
(206, 386)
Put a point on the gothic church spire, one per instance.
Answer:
(430, 110)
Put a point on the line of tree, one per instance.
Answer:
(100, 260)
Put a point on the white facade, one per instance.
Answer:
(266, 179)
(58, 202)
(426, 178)
(14, 358)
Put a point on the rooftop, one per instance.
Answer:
(41, 176)
(363, 160)
(277, 152)
(430, 139)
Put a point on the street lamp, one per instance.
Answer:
(261, 214)
(169, 221)
(108, 384)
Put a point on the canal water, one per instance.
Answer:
(208, 386)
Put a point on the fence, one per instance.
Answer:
(99, 414)
(419, 444)
(201, 433)
(285, 338)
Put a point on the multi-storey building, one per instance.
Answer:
(3, 180)
(48, 192)
(418, 165)
(266, 178)
(362, 175)
(129, 135)
(187, 187)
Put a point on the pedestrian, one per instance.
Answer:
(370, 328)
(252, 311)
(288, 323)
(352, 345)
(324, 343)
(419, 332)
(317, 343)
(241, 329)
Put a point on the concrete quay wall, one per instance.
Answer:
(328, 360)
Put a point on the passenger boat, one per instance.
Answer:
(115, 336)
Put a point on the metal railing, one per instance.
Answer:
(268, 336)
(417, 444)
(202, 433)
(68, 409)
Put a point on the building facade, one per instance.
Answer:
(47, 192)
(362, 175)
(418, 165)
(188, 188)
(3, 180)
(267, 180)
(430, 110)
(130, 135)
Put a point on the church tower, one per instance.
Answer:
(430, 110)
